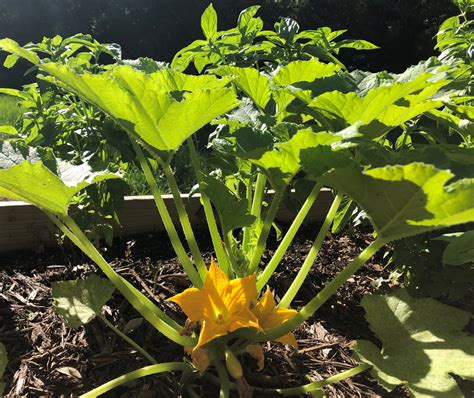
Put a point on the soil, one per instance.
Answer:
(49, 359)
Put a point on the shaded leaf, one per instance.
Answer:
(423, 343)
(460, 249)
(283, 162)
(80, 301)
(405, 200)
(233, 211)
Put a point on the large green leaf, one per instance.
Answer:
(138, 101)
(423, 343)
(405, 200)
(251, 82)
(381, 109)
(298, 71)
(3, 365)
(36, 184)
(303, 71)
(80, 301)
(283, 162)
(172, 80)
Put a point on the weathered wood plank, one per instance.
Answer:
(23, 226)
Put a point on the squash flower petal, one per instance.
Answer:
(270, 316)
(221, 306)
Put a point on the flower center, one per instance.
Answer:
(220, 319)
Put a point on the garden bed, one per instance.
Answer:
(46, 358)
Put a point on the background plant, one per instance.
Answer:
(307, 123)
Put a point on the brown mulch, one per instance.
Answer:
(48, 359)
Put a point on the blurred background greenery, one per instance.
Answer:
(404, 29)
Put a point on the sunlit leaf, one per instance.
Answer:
(209, 22)
(9, 130)
(283, 162)
(299, 71)
(423, 343)
(355, 44)
(137, 102)
(381, 109)
(251, 82)
(80, 301)
(35, 184)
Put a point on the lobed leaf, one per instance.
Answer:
(138, 102)
(80, 301)
(381, 109)
(251, 82)
(423, 343)
(283, 162)
(36, 184)
(404, 200)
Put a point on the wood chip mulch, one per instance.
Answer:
(49, 359)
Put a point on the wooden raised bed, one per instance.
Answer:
(23, 226)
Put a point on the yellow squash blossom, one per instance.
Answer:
(270, 316)
(221, 306)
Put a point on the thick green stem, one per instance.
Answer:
(166, 219)
(185, 223)
(307, 388)
(136, 374)
(249, 197)
(223, 379)
(309, 309)
(289, 236)
(209, 212)
(258, 196)
(267, 224)
(228, 237)
(318, 385)
(138, 300)
(313, 253)
(134, 344)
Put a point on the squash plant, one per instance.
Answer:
(307, 124)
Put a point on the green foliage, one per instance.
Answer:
(35, 184)
(435, 266)
(406, 200)
(80, 301)
(286, 114)
(460, 249)
(423, 343)
(232, 210)
(9, 110)
(248, 44)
